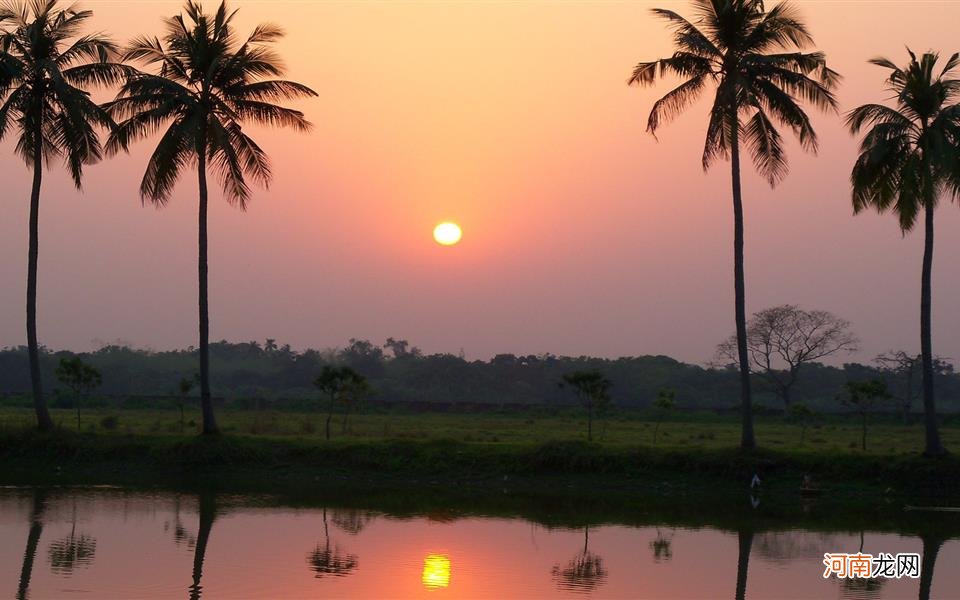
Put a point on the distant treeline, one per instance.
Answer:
(399, 373)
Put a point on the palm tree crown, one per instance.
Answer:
(911, 154)
(751, 56)
(207, 84)
(42, 77)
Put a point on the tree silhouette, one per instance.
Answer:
(664, 402)
(45, 67)
(326, 560)
(340, 384)
(80, 377)
(864, 397)
(183, 392)
(783, 339)
(593, 391)
(908, 159)
(206, 87)
(751, 56)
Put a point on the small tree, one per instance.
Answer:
(80, 377)
(593, 392)
(353, 394)
(802, 416)
(863, 397)
(338, 383)
(665, 401)
(186, 384)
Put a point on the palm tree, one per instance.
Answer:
(206, 86)
(753, 59)
(908, 159)
(46, 66)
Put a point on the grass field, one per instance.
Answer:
(832, 434)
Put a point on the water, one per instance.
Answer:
(111, 543)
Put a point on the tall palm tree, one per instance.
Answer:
(47, 65)
(908, 160)
(753, 58)
(206, 86)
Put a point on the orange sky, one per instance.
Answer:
(582, 234)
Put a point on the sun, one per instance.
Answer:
(447, 233)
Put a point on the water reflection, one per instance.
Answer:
(207, 513)
(258, 551)
(327, 559)
(33, 540)
(744, 546)
(583, 572)
(931, 548)
(74, 550)
(662, 547)
(351, 520)
(436, 571)
(180, 533)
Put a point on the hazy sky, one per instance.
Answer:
(582, 234)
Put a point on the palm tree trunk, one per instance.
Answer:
(934, 447)
(747, 440)
(44, 423)
(206, 405)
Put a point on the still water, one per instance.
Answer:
(112, 543)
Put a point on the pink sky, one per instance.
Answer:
(582, 234)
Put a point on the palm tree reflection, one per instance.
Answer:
(326, 560)
(33, 540)
(584, 572)
(207, 513)
(931, 548)
(745, 545)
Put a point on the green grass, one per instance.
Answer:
(695, 454)
(835, 435)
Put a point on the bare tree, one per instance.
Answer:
(780, 340)
(904, 369)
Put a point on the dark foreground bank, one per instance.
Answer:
(27, 457)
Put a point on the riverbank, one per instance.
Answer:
(64, 457)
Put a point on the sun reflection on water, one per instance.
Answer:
(436, 571)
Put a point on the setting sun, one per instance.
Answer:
(447, 234)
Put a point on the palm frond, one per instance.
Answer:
(766, 147)
(672, 104)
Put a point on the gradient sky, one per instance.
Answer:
(582, 233)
